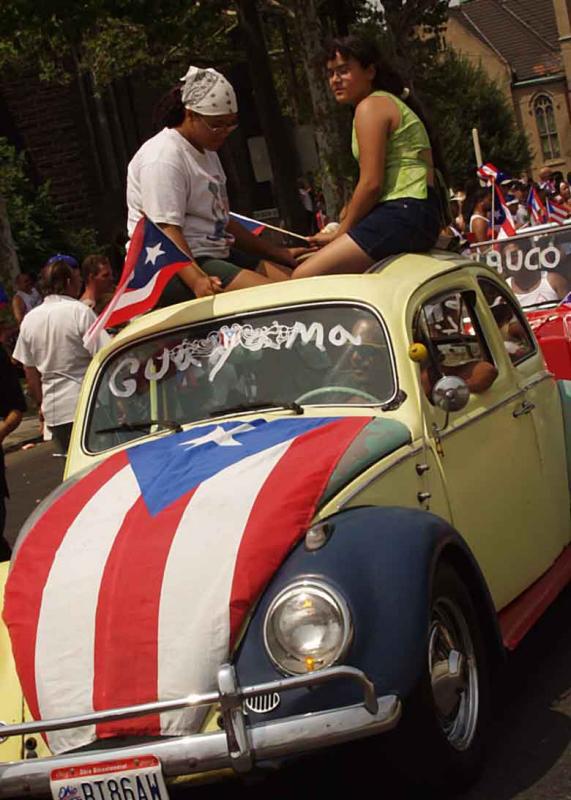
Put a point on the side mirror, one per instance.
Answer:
(450, 393)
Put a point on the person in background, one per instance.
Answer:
(26, 297)
(306, 198)
(457, 208)
(394, 207)
(532, 287)
(98, 281)
(546, 183)
(565, 195)
(12, 407)
(477, 212)
(557, 178)
(50, 347)
(520, 191)
(452, 236)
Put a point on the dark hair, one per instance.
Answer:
(56, 275)
(90, 265)
(472, 201)
(366, 52)
(169, 111)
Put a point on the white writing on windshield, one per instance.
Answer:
(212, 352)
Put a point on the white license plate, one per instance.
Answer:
(121, 779)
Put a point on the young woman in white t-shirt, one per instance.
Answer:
(176, 180)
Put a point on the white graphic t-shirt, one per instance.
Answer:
(172, 182)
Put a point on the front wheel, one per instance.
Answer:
(440, 739)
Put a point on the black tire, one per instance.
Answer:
(439, 743)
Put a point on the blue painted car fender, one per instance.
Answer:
(382, 560)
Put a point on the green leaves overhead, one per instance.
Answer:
(113, 38)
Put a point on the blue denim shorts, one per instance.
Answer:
(406, 225)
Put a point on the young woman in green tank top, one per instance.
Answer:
(394, 207)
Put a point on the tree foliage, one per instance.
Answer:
(114, 38)
(460, 97)
(37, 228)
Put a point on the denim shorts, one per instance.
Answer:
(406, 225)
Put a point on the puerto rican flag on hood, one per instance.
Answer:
(134, 585)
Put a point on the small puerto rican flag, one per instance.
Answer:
(491, 174)
(556, 212)
(504, 216)
(537, 209)
(253, 225)
(153, 258)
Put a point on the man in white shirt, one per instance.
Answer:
(50, 346)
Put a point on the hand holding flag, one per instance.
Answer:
(151, 262)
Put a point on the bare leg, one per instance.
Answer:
(273, 271)
(245, 279)
(339, 256)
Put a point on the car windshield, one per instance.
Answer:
(322, 355)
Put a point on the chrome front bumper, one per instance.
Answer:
(238, 746)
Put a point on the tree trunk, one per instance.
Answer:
(9, 266)
(283, 157)
(330, 136)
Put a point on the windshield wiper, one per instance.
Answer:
(293, 406)
(142, 425)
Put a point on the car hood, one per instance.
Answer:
(134, 583)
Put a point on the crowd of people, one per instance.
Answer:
(527, 200)
(51, 323)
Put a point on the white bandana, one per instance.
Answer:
(208, 92)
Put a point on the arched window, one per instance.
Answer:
(546, 127)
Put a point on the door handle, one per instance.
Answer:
(524, 408)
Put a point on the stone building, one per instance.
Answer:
(525, 46)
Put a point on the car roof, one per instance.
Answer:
(396, 277)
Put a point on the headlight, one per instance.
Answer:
(307, 627)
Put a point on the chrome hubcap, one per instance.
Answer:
(453, 673)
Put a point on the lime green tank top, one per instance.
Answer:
(405, 171)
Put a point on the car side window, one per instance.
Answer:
(447, 325)
(517, 340)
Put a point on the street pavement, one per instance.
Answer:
(31, 474)
(28, 431)
(530, 752)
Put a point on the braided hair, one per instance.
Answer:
(169, 111)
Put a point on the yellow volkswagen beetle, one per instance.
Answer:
(293, 516)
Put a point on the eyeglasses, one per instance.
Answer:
(226, 127)
(338, 72)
